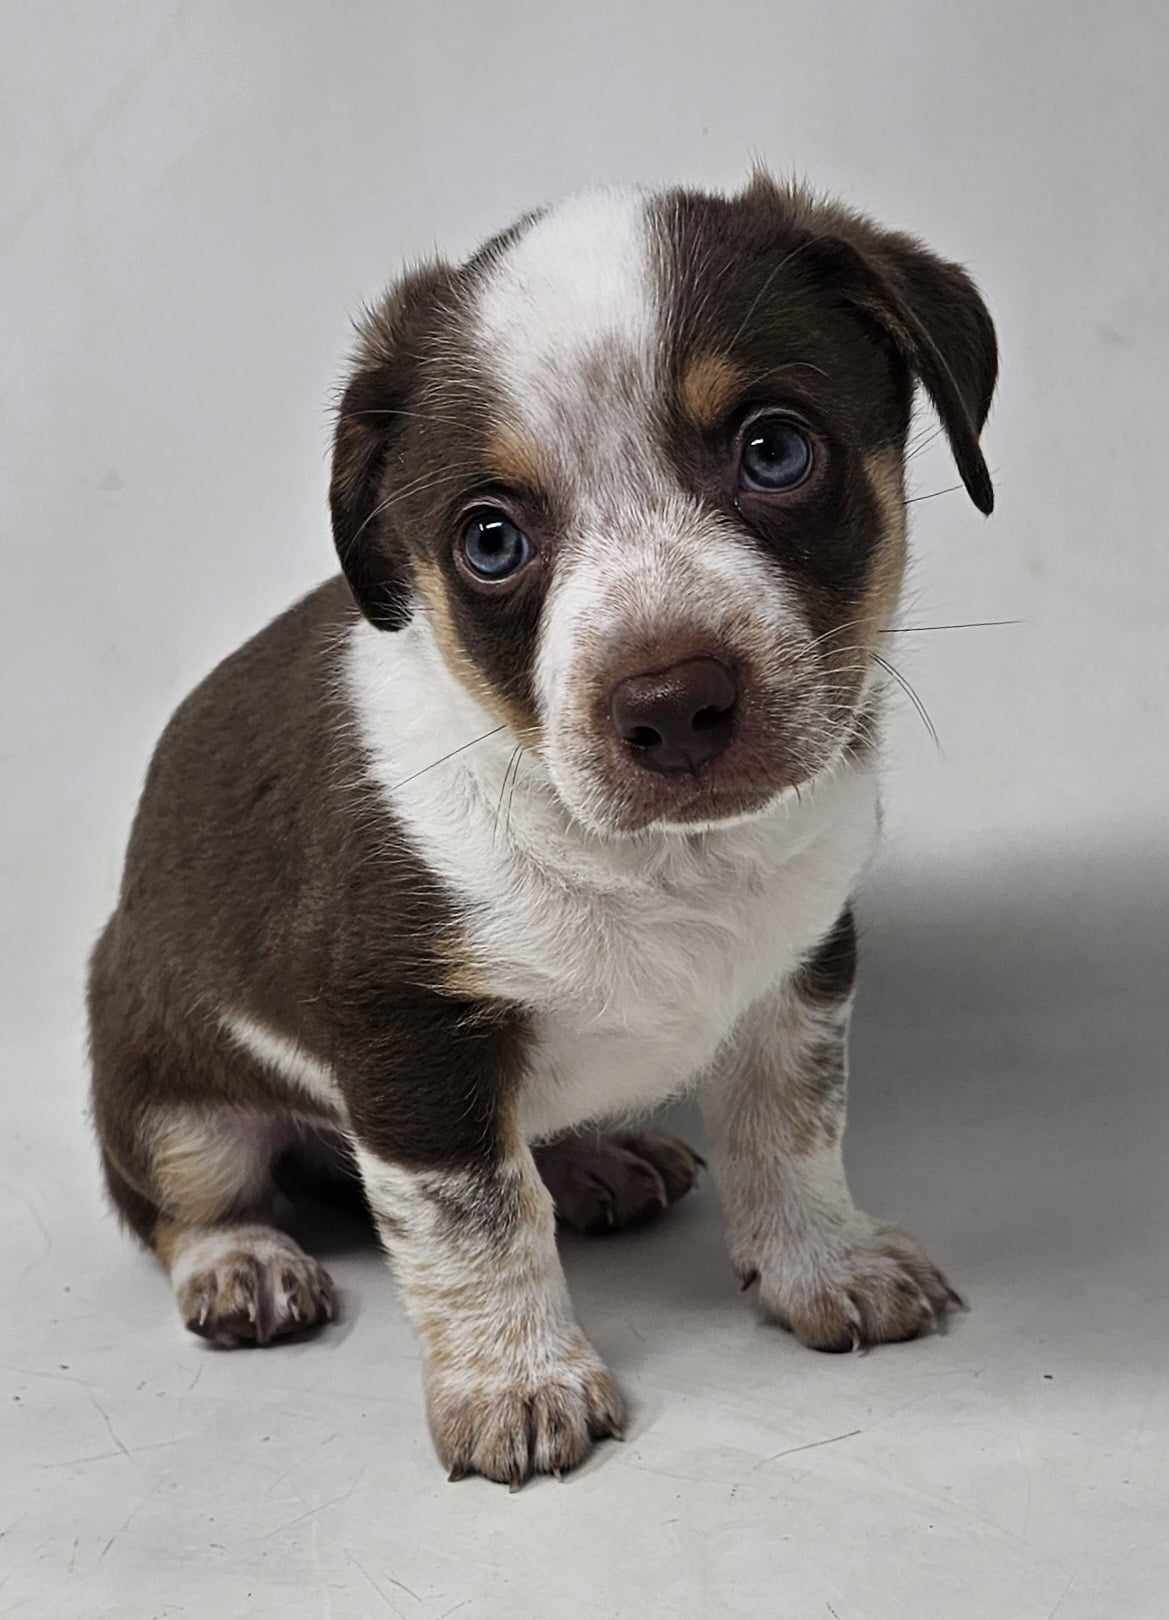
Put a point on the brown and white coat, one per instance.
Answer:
(400, 880)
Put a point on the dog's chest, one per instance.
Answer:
(634, 961)
(633, 985)
(643, 993)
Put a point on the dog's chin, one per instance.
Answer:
(702, 806)
(758, 811)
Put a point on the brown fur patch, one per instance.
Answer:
(708, 386)
(432, 588)
(828, 975)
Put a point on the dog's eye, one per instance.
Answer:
(493, 548)
(776, 454)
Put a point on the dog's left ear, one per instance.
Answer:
(935, 318)
(371, 419)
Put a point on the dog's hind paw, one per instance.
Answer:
(250, 1285)
(602, 1183)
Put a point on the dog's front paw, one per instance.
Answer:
(869, 1284)
(509, 1428)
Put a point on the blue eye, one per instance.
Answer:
(493, 548)
(776, 454)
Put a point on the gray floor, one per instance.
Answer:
(1009, 1104)
(193, 199)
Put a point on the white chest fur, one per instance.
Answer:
(657, 972)
(636, 958)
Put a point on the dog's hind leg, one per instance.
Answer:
(192, 1179)
(237, 1278)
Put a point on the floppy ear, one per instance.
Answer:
(935, 318)
(370, 421)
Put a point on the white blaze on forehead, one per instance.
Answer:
(577, 278)
(568, 322)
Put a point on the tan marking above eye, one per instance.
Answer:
(515, 459)
(709, 385)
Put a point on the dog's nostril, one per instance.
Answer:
(706, 719)
(644, 737)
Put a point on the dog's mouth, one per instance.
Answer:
(706, 798)
(739, 768)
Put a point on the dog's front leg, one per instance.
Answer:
(513, 1387)
(775, 1109)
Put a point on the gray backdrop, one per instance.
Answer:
(194, 200)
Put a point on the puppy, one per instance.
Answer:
(553, 805)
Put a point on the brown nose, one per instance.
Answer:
(678, 718)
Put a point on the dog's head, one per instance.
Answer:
(640, 465)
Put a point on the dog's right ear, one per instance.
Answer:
(373, 414)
